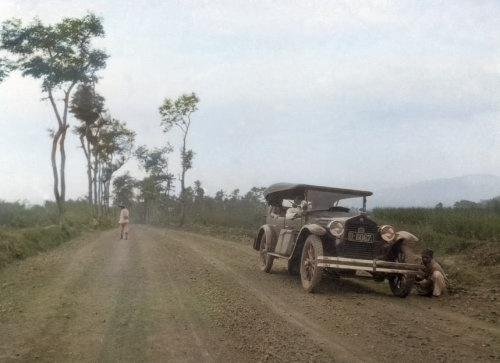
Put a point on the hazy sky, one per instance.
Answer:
(342, 93)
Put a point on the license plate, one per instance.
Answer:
(359, 237)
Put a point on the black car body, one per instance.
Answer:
(316, 228)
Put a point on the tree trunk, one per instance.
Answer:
(99, 190)
(55, 173)
(183, 179)
(94, 181)
(55, 140)
(62, 167)
(60, 137)
(86, 151)
(108, 184)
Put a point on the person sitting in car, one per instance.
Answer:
(295, 210)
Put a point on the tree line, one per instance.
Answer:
(62, 57)
(152, 203)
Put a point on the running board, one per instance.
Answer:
(373, 266)
(278, 255)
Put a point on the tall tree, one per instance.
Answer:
(157, 185)
(219, 196)
(255, 195)
(114, 149)
(123, 189)
(60, 56)
(177, 113)
(87, 106)
(199, 192)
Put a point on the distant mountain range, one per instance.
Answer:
(447, 191)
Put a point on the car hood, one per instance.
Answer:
(324, 220)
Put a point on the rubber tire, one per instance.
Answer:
(311, 285)
(405, 290)
(268, 264)
(293, 267)
(400, 291)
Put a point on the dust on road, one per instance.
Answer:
(166, 295)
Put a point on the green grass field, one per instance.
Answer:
(446, 230)
(25, 231)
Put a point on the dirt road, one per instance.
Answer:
(173, 296)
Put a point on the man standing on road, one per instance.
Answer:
(124, 221)
(434, 281)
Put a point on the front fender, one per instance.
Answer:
(314, 229)
(405, 242)
(304, 232)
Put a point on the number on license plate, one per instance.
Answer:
(359, 237)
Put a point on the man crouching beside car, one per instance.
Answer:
(433, 282)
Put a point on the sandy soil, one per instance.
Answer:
(166, 295)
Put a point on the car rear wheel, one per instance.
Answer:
(266, 261)
(310, 273)
(401, 285)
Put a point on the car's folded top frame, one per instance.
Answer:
(290, 190)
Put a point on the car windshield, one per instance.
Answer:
(323, 200)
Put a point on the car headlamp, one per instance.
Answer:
(336, 228)
(388, 233)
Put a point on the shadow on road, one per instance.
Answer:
(335, 285)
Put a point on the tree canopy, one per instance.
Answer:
(177, 113)
(87, 105)
(55, 54)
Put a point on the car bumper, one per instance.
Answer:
(374, 266)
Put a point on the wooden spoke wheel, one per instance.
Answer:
(266, 261)
(401, 285)
(310, 273)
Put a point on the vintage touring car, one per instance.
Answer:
(318, 229)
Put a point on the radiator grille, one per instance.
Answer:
(357, 249)
(362, 250)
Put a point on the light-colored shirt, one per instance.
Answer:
(293, 212)
(124, 216)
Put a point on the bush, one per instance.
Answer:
(25, 231)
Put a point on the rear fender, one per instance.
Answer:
(270, 238)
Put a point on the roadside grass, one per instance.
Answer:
(446, 230)
(465, 241)
(25, 231)
(238, 234)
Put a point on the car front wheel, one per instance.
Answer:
(310, 273)
(401, 285)
(266, 261)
